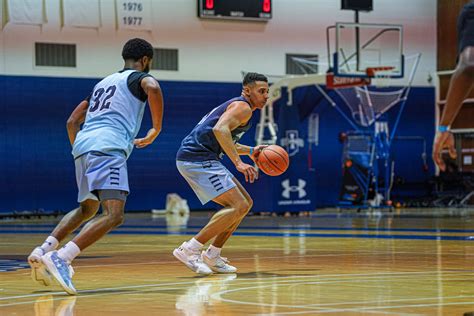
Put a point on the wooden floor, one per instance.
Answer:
(417, 262)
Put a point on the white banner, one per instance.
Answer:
(26, 12)
(81, 13)
(134, 14)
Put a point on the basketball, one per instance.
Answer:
(273, 160)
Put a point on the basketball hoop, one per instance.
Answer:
(380, 75)
(372, 72)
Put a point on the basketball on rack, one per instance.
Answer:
(273, 160)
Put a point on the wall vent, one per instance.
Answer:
(165, 59)
(55, 55)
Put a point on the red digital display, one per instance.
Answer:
(254, 10)
(209, 4)
(267, 6)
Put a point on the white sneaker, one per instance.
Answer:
(218, 264)
(61, 270)
(192, 259)
(71, 270)
(39, 273)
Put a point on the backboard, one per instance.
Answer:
(362, 47)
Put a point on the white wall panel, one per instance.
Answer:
(212, 50)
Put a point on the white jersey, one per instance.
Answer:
(113, 118)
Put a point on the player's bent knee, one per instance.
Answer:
(246, 209)
(116, 219)
(250, 204)
(242, 208)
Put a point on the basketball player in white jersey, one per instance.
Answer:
(112, 116)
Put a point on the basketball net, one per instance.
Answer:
(370, 97)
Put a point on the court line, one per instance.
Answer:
(281, 279)
(348, 310)
(318, 307)
(284, 227)
(296, 248)
(269, 234)
(147, 288)
(324, 311)
(100, 290)
(78, 267)
(341, 254)
(162, 287)
(400, 306)
(218, 296)
(89, 295)
(450, 271)
(97, 292)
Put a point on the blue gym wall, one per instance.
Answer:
(416, 124)
(37, 170)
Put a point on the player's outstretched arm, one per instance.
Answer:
(235, 115)
(155, 101)
(460, 86)
(75, 120)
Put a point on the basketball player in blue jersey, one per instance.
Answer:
(198, 161)
(112, 116)
(460, 85)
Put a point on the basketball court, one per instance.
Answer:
(416, 262)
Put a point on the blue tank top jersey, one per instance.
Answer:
(113, 118)
(201, 144)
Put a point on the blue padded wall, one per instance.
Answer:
(37, 170)
(417, 120)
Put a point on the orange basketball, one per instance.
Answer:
(273, 160)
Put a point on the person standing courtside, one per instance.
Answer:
(460, 85)
(198, 161)
(112, 116)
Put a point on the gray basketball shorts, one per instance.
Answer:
(208, 179)
(97, 171)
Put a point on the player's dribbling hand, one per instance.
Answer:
(443, 140)
(249, 171)
(256, 152)
(147, 140)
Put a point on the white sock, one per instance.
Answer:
(193, 244)
(69, 251)
(213, 252)
(50, 244)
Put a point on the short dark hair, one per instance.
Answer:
(137, 48)
(252, 77)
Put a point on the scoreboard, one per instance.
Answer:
(252, 10)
